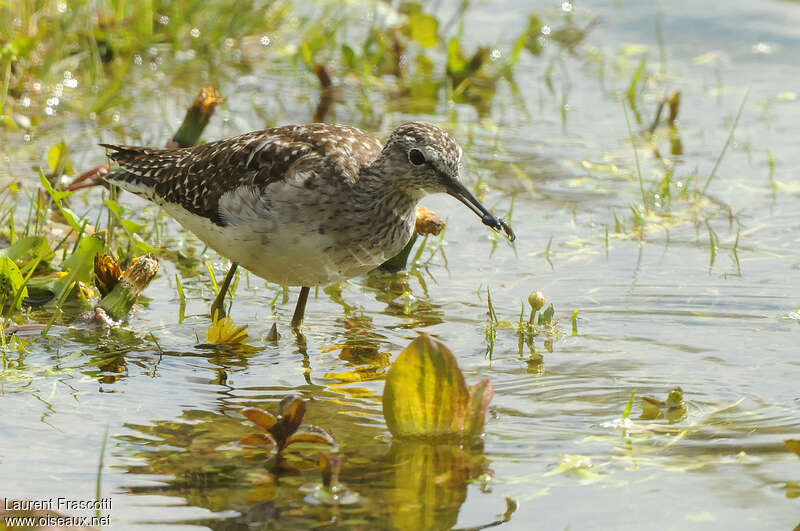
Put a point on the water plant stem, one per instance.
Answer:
(727, 141)
(635, 156)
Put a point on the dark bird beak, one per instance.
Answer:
(460, 192)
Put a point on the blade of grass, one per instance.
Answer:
(635, 156)
(727, 141)
(6, 80)
(628, 407)
(213, 276)
(97, 485)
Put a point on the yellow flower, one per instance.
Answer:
(225, 332)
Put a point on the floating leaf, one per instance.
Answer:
(425, 393)
(579, 466)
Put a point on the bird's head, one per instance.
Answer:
(423, 159)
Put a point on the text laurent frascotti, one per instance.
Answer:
(57, 504)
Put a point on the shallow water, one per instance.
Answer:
(656, 310)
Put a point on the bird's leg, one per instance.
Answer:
(218, 306)
(300, 309)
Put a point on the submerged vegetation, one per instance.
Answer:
(625, 195)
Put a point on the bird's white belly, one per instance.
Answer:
(292, 253)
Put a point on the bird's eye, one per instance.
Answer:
(416, 157)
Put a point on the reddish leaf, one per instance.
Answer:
(260, 418)
(310, 434)
(292, 409)
(329, 468)
(479, 397)
(261, 440)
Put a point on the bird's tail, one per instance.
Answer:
(139, 169)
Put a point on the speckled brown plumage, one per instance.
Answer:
(197, 177)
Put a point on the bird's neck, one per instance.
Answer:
(375, 192)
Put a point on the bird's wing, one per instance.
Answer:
(196, 178)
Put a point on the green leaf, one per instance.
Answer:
(33, 246)
(131, 228)
(425, 393)
(546, 317)
(532, 34)
(305, 52)
(57, 196)
(456, 62)
(423, 29)
(11, 282)
(627, 412)
(519, 45)
(58, 160)
(81, 262)
(631, 92)
(348, 57)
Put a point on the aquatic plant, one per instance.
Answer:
(673, 408)
(121, 289)
(286, 429)
(426, 396)
(225, 332)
